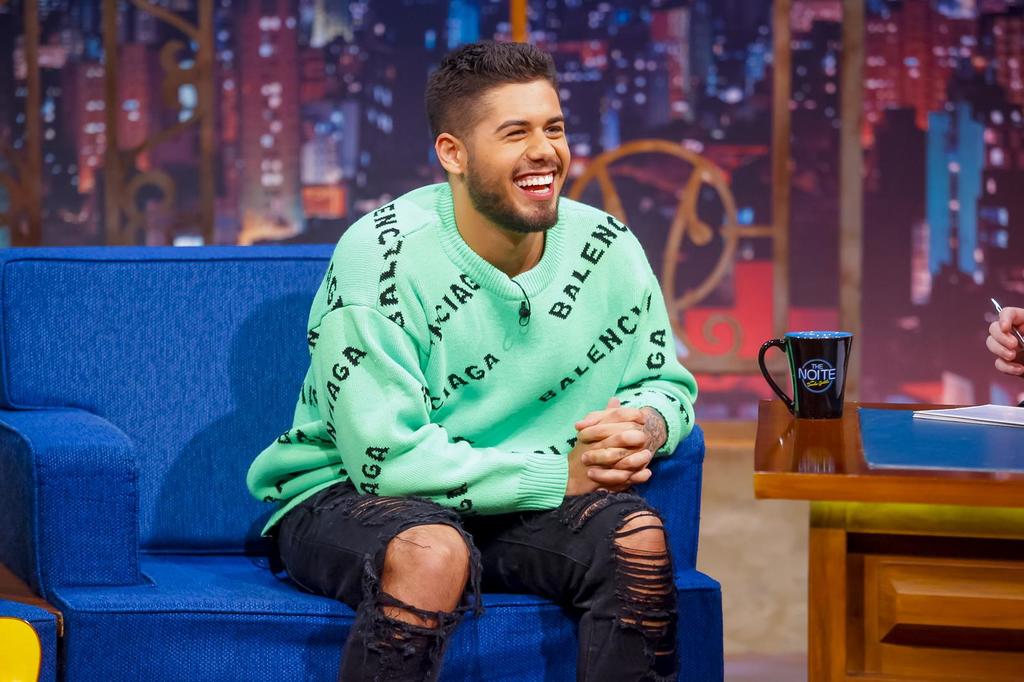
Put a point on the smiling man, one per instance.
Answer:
(491, 370)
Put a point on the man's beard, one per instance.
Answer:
(499, 209)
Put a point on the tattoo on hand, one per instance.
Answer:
(654, 427)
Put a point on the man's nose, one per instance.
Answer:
(540, 147)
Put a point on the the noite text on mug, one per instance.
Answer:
(816, 375)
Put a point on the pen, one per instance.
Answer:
(1016, 333)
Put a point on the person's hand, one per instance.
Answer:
(616, 445)
(593, 466)
(614, 418)
(609, 455)
(1004, 345)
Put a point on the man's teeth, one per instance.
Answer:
(536, 180)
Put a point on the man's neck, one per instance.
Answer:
(511, 252)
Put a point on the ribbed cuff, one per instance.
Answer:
(543, 481)
(672, 411)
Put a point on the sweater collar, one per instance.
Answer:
(483, 273)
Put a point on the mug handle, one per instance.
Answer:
(781, 345)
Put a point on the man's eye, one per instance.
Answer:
(556, 130)
(516, 133)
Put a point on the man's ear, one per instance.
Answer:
(451, 153)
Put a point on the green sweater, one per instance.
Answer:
(422, 381)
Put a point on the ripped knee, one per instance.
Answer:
(643, 581)
(408, 616)
(427, 566)
(642, 531)
(432, 551)
(408, 651)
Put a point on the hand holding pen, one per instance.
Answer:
(1005, 340)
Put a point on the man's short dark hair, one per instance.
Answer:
(467, 73)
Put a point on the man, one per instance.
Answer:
(491, 369)
(1004, 345)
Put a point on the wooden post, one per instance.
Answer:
(33, 137)
(826, 593)
(851, 185)
(207, 132)
(782, 77)
(112, 180)
(517, 17)
(25, 215)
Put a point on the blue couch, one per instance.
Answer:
(136, 386)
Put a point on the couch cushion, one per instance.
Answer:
(228, 618)
(196, 354)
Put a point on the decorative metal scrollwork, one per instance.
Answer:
(720, 329)
(126, 182)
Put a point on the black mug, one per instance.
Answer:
(817, 369)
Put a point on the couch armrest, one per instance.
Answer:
(68, 500)
(674, 490)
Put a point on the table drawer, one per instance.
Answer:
(943, 617)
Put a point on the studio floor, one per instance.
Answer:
(766, 668)
(757, 549)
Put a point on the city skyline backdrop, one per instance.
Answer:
(317, 117)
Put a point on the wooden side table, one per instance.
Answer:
(914, 574)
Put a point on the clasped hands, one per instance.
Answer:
(614, 447)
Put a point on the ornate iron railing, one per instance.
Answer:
(689, 230)
(124, 180)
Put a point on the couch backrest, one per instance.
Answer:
(196, 354)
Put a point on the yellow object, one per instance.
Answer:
(20, 651)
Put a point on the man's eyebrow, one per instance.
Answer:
(509, 124)
(521, 123)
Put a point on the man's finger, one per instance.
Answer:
(995, 331)
(608, 477)
(1011, 317)
(617, 414)
(599, 432)
(1003, 338)
(641, 476)
(999, 350)
(591, 419)
(631, 438)
(595, 416)
(603, 457)
(636, 461)
(1005, 367)
(626, 414)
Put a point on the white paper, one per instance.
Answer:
(1001, 415)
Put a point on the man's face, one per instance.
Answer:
(518, 157)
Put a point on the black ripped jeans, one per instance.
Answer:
(578, 555)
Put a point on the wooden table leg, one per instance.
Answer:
(826, 593)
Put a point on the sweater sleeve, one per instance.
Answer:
(376, 409)
(653, 377)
